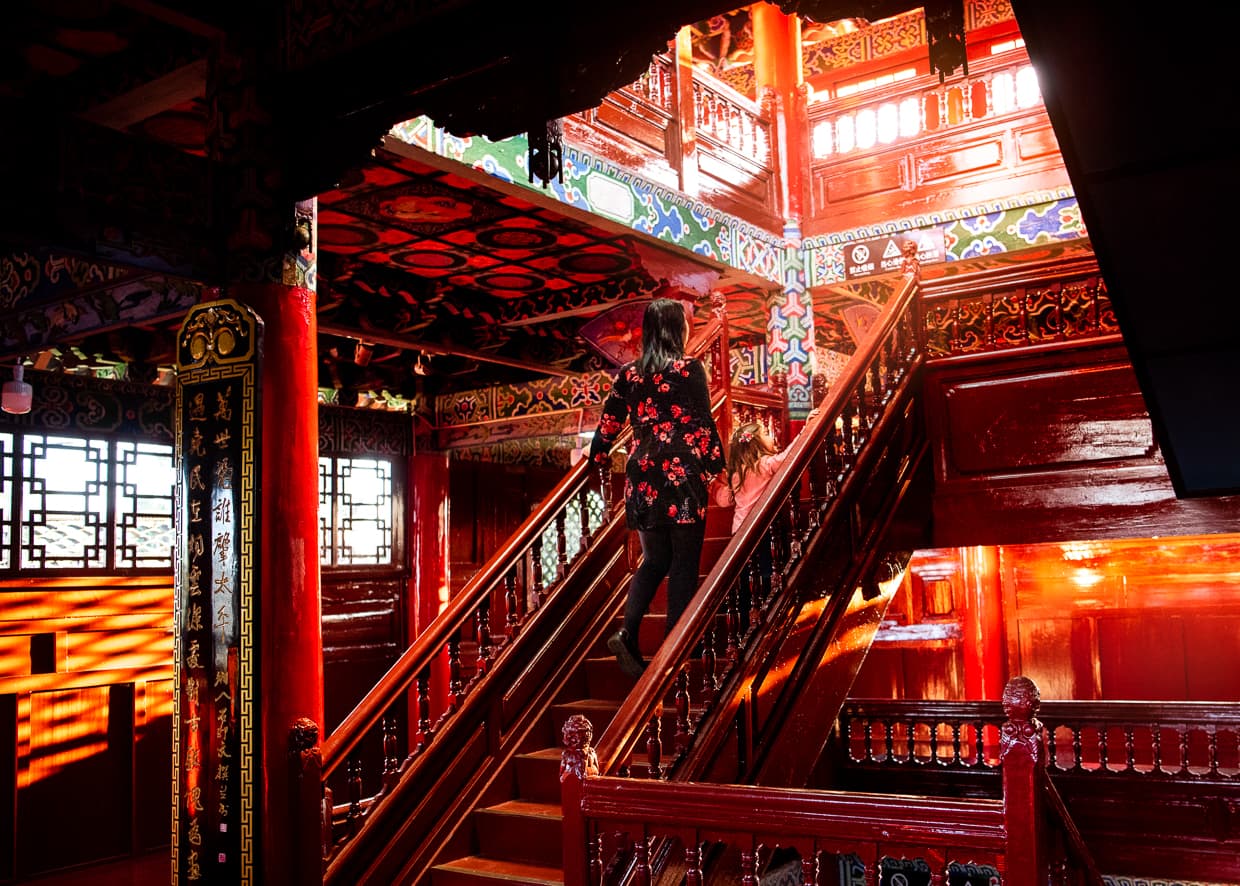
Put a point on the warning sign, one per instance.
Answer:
(885, 255)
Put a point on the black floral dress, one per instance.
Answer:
(676, 451)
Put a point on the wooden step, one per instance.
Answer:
(538, 775)
(598, 711)
(520, 830)
(473, 870)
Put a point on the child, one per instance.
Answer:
(753, 459)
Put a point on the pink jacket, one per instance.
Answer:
(751, 490)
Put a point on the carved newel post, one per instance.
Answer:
(1022, 755)
(578, 761)
(310, 815)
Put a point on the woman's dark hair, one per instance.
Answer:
(664, 328)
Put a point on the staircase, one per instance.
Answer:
(514, 836)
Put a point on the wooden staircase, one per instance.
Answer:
(514, 834)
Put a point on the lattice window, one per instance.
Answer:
(356, 516)
(572, 534)
(85, 503)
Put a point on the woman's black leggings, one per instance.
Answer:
(674, 553)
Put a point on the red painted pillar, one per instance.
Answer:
(778, 75)
(430, 582)
(984, 643)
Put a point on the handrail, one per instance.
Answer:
(839, 428)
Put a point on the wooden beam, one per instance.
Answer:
(142, 102)
(408, 343)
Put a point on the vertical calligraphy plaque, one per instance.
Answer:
(215, 726)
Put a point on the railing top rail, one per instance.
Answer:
(744, 809)
(1164, 713)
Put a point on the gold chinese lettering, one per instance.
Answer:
(224, 473)
(195, 618)
(191, 689)
(193, 658)
(195, 478)
(196, 546)
(193, 757)
(195, 511)
(195, 576)
(223, 439)
(192, 869)
(223, 545)
(196, 444)
(195, 835)
(198, 407)
(223, 409)
(223, 510)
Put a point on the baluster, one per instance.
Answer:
(561, 547)
(604, 486)
(391, 765)
(654, 746)
(1156, 741)
(956, 756)
(1213, 740)
(1130, 750)
(869, 741)
(758, 593)
(456, 686)
(512, 606)
(584, 507)
(594, 856)
(1052, 756)
(641, 863)
(1103, 755)
(749, 864)
(809, 870)
(536, 573)
(1076, 748)
(693, 865)
(934, 743)
(710, 678)
(681, 702)
(1183, 730)
(731, 617)
(423, 684)
(888, 738)
(353, 776)
(482, 636)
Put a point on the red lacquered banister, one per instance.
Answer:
(1022, 838)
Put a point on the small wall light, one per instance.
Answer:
(16, 395)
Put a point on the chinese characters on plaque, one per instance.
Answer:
(215, 735)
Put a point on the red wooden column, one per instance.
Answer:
(268, 260)
(778, 74)
(430, 583)
(682, 149)
(984, 646)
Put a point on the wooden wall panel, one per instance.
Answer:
(1052, 445)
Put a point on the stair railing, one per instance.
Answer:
(804, 499)
(510, 581)
(1021, 838)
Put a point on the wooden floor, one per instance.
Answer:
(146, 870)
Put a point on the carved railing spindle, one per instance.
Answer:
(583, 501)
(693, 870)
(641, 863)
(561, 547)
(391, 753)
(710, 677)
(1130, 750)
(482, 636)
(809, 870)
(1076, 749)
(423, 689)
(1156, 748)
(456, 685)
(536, 572)
(1183, 731)
(731, 614)
(681, 702)
(654, 746)
(749, 865)
(512, 607)
(1213, 740)
(353, 777)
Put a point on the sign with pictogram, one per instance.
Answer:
(885, 255)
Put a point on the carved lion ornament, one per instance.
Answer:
(578, 757)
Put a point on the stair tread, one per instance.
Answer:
(548, 753)
(503, 869)
(525, 807)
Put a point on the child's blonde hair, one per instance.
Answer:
(750, 441)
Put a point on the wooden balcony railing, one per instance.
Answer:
(739, 832)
